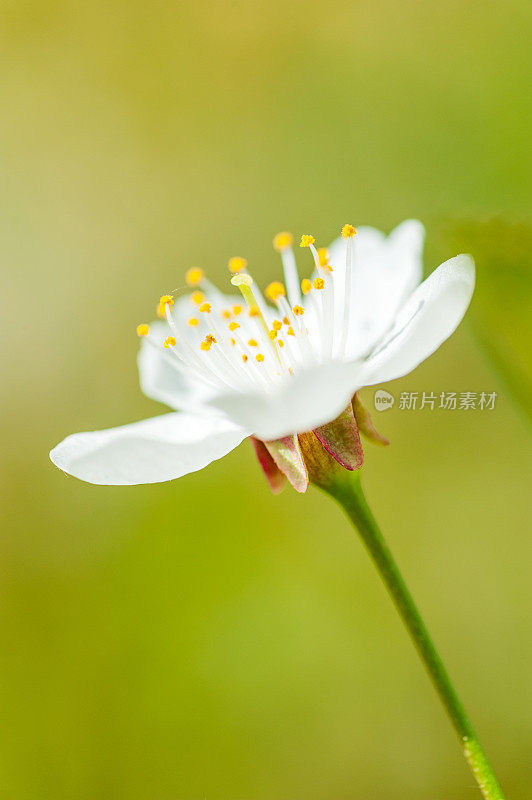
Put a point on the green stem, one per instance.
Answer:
(346, 489)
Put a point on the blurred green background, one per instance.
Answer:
(202, 640)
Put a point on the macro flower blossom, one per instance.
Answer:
(281, 365)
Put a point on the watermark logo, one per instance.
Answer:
(449, 401)
(383, 400)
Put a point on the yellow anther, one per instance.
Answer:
(197, 298)
(275, 290)
(259, 357)
(233, 342)
(272, 335)
(306, 286)
(233, 326)
(348, 231)
(298, 311)
(205, 346)
(244, 357)
(286, 321)
(276, 325)
(193, 322)
(194, 275)
(280, 343)
(210, 338)
(237, 310)
(306, 240)
(166, 300)
(252, 343)
(226, 314)
(282, 240)
(319, 283)
(169, 342)
(323, 257)
(254, 311)
(143, 330)
(290, 331)
(237, 264)
(205, 308)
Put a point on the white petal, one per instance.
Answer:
(157, 449)
(162, 381)
(386, 271)
(298, 404)
(428, 318)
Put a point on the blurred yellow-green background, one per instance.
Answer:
(202, 640)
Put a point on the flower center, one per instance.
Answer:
(289, 328)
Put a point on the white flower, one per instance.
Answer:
(272, 368)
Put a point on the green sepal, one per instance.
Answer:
(341, 439)
(286, 453)
(276, 479)
(365, 423)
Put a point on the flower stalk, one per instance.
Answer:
(345, 487)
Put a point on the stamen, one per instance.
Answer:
(193, 322)
(194, 276)
(208, 342)
(183, 341)
(244, 357)
(282, 240)
(259, 357)
(283, 244)
(304, 349)
(306, 240)
(143, 330)
(237, 310)
(252, 343)
(169, 342)
(205, 308)
(276, 325)
(306, 286)
(275, 290)
(348, 231)
(223, 354)
(323, 257)
(226, 314)
(233, 326)
(197, 297)
(325, 304)
(298, 311)
(237, 264)
(165, 300)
